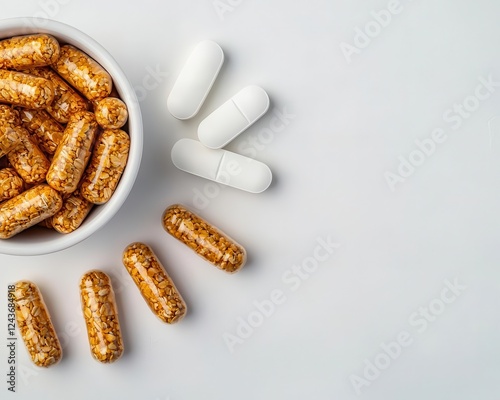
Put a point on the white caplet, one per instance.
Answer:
(195, 80)
(233, 117)
(221, 166)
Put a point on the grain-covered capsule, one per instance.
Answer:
(106, 166)
(155, 285)
(206, 240)
(9, 133)
(28, 51)
(28, 209)
(35, 325)
(45, 129)
(83, 73)
(11, 184)
(73, 153)
(72, 213)
(25, 90)
(66, 99)
(28, 160)
(111, 113)
(101, 316)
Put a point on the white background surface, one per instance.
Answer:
(351, 124)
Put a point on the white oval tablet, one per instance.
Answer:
(233, 117)
(221, 166)
(195, 80)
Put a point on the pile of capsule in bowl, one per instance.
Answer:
(61, 147)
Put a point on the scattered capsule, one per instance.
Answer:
(109, 159)
(66, 99)
(25, 90)
(35, 325)
(72, 213)
(46, 130)
(28, 51)
(28, 160)
(83, 73)
(11, 184)
(155, 285)
(73, 152)
(205, 239)
(28, 209)
(111, 113)
(101, 317)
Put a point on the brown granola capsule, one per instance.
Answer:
(155, 285)
(9, 133)
(10, 184)
(108, 161)
(111, 113)
(46, 130)
(35, 325)
(66, 99)
(205, 239)
(72, 213)
(28, 160)
(28, 209)
(28, 51)
(101, 317)
(25, 90)
(73, 152)
(83, 73)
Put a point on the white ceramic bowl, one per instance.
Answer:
(36, 241)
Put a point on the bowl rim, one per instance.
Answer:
(71, 35)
